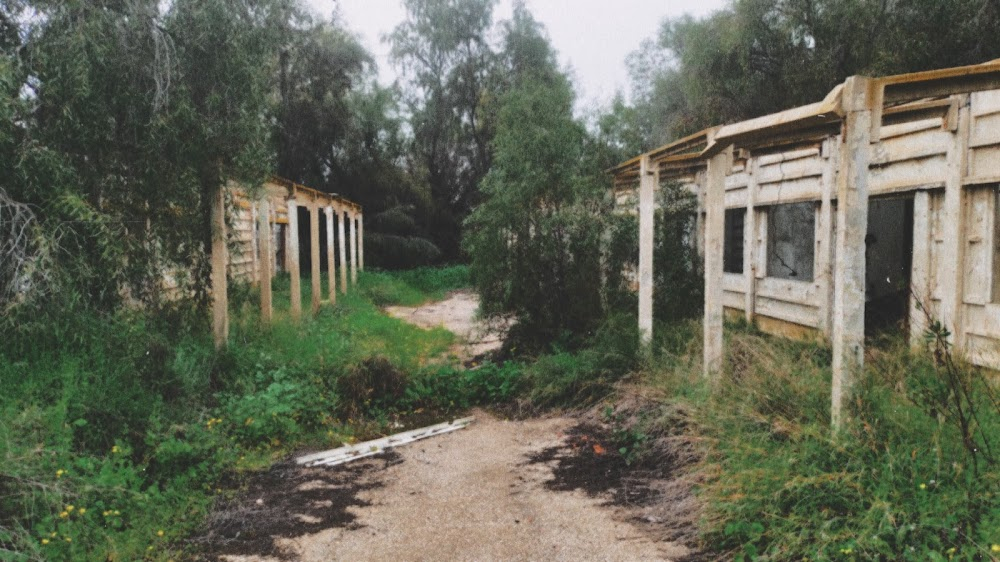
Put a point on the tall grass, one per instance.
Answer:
(895, 484)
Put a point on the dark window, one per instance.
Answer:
(791, 241)
(732, 249)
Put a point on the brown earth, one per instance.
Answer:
(458, 315)
(542, 489)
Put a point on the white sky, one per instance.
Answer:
(593, 37)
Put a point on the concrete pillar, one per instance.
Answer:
(220, 260)
(331, 269)
(266, 264)
(750, 243)
(361, 241)
(824, 236)
(920, 277)
(254, 244)
(354, 248)
(342, 242)
(951, 278)
(852, 227)
(292, 258)
(647, 186)
(715, 221)
(317, 287)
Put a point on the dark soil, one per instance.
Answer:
(654, 492)
(290, 501)
(589, 461)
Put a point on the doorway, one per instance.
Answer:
(889, 262)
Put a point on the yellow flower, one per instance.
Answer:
(159, 533)
(115, 449)
(106, 513)
(69, 508)
(149, 547)
(923, 486)
(64, 514)
(995, 548)
(69, 539)
(53, 534)
(117, 512)
(81, 511)
(60, 472)
(45, 541)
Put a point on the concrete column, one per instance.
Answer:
(220, 261)
(342, 242)
(852, 226)
(292, 258)
(824, 237)
(331, 269)
(254, 244)
(950, 278)
(750, 243)
(317, 287)
(647, 206)
(920, 281)
(361, 241)
(266, 264)
(354, 249)
(715, 221)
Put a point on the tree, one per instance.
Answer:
(761, 56)
(128, 117)
(319, 66)
(443, 49)
(534, 241)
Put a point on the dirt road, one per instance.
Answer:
(457, 314)
(481, 493)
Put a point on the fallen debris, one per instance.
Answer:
(349, 453)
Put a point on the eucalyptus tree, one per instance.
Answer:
(443, 48)
(534, 240)
(126, 117)
(760, 56)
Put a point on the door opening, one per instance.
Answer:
(889, 261)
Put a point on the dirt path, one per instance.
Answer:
(492, 491)
(457, 314)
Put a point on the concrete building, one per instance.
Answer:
(877, 207)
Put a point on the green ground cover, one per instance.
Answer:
(118, 432)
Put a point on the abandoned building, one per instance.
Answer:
(876, 208)
(277, 230)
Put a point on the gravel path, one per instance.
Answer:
(467, 495)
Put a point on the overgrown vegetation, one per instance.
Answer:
(898, 483)
(118, 430)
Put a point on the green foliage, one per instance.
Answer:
(134, 420)
(895, 484)
(631, 440)
(756, 57)
(413, 287)
(443, 49)
(676, 263)
(534, 242)
(585, 376)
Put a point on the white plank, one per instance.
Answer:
(376, 446)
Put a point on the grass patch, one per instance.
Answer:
(895, 484)
(118, 433)
(412, 287)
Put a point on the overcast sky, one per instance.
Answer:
(593, 37)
